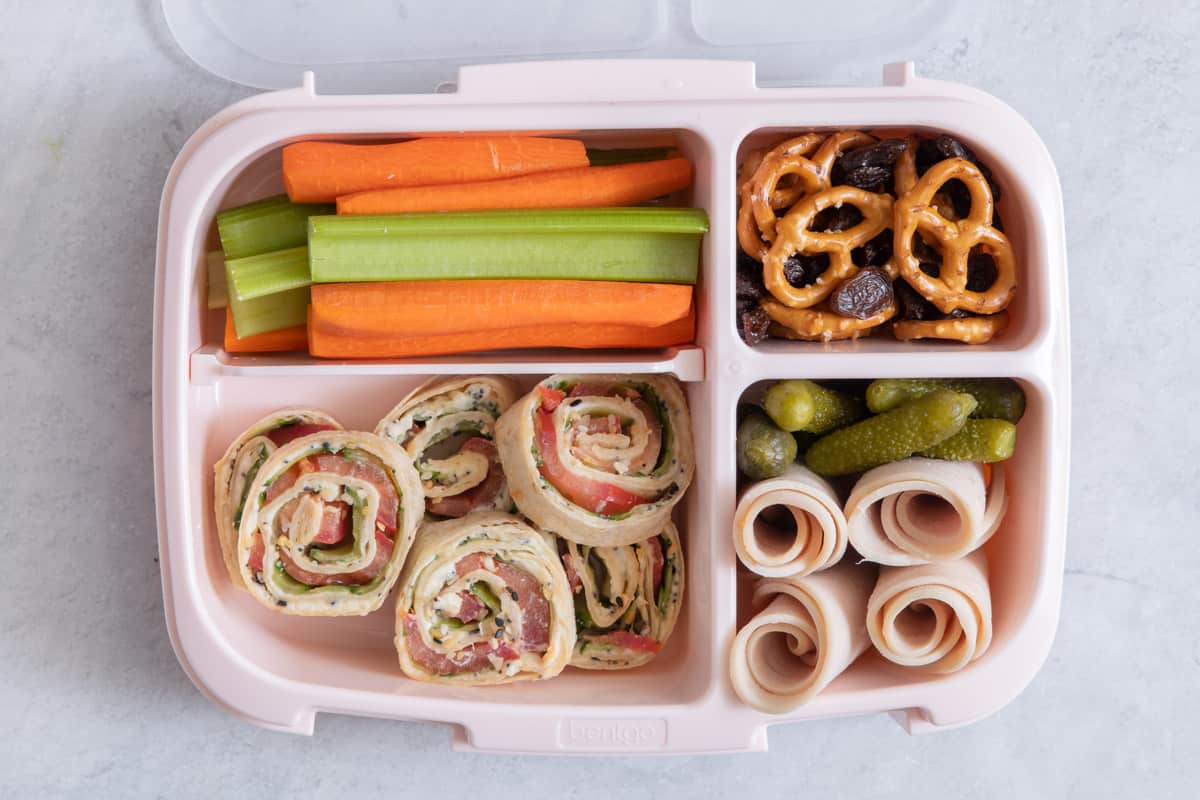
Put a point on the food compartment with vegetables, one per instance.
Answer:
(452, 243)
(279, 666)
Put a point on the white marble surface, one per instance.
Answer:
(95, 101)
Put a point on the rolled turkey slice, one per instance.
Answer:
(241, 462)
(811, 629)
(484, 600)
(790, 525)
(934, 617)
(921, 509)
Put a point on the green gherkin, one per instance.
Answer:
(999, 398)
(763, 449)
(805, 406)
(892, 435)
(984, 440)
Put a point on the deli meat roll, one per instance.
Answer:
(810, 629)
(790, 525)
(932, 617)
(922, 509)
(328, 521)
(484, 600)
(447, 427)
(627, 598)
(240, 465)
(599, 459)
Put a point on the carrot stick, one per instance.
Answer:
(331, 340)
(279, 341)
(621, 185)
(317, 172)
(420, 308)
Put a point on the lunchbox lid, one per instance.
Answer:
(410, 46)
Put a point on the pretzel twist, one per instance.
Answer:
(820, 325)
(793, 236)
(914, 212)
(906, 166)
(971, 330)
(785, 176)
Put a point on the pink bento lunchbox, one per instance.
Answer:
(279, 671)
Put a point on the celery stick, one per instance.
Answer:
(659, 245)
(632, 155)
(268, 273)
(218, 296)
(272, 224)
(271, 312)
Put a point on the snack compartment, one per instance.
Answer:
(1022, 221)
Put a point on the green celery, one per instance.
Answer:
(218, 295)
(272, 224)
(270, 313)
(268, 273)
(631, 155)
(658, 245)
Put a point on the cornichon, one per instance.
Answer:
(892, 435)
(805, 406)
(763, 449)
(984, 440)
(998, 398)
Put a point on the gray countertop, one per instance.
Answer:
(96, 102)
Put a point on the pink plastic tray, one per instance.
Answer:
(280, 671)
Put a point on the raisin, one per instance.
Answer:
(801, 271)
(748, 282)
(871, 167)
(959, 196)
(754, 324)
(981, 270)
(924, 251)
(836, 218)
(928, 154)
(874, 253)
(931, 151)
(864, 295)
(911, 304)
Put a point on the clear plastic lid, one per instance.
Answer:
(404, 46)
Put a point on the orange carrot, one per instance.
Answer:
(584, 187)
(318, 172)
(331, 340)
(421, 308)
(274, 342)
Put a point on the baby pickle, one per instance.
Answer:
(763, 450)
(805, 406)
(999, 398)
(915, 426)
(985, 440)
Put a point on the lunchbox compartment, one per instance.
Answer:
(358, 653)
(260, 176)
(1019, 556)
(1029, 320)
